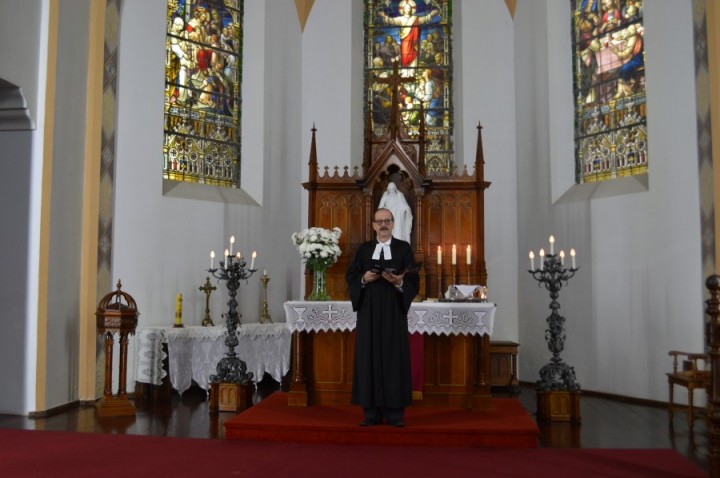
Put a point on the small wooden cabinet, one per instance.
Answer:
(503, 365)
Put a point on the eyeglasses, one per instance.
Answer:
(383, 221)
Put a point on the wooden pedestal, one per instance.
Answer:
(230, 397)
(558, 406)
(503, 365)
(118, 406)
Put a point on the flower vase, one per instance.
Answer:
(319, 291)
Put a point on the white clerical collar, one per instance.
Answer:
(384, 246)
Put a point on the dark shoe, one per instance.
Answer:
(397, 424)
(369, 423)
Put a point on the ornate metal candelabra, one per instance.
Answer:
(556, 375)
(231, 369)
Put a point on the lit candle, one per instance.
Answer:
(532, 260)
(232, 241)
(572, 256)
(212, 259)
(252, 263)
(552, 244)
(542, 259)
(469, 255)
(454, 255)
(439, 256)
(562, 258)
(178, 309)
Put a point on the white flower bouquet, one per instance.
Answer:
(318, 246)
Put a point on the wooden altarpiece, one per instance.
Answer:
(447, 210)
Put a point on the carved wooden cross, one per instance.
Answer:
(395, 81)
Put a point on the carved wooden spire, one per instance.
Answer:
(421, 141)
(367, 147)
(313, 164)
(479, 158)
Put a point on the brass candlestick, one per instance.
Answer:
(468, 274)
(454, 272)
(207, 288)
(265, 316)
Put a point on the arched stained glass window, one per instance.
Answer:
(417, 35)
(609, 79)
(203, 71)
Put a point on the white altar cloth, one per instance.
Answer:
(194, 352)
(439, 318)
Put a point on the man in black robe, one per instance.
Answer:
(382, 282)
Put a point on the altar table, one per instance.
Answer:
(194, 352)
(456, 351)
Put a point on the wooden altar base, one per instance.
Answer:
(508, 425)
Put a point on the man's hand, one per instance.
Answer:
(370, 276)
(395, 280)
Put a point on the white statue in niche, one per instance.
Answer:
(395, 202)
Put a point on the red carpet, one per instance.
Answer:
(507, 426)
(25, 453)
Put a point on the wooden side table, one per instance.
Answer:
(503, 365)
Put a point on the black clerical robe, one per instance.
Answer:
(381, 373)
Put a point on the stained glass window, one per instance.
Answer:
(203, 71)
(609, 79)
(417, 35)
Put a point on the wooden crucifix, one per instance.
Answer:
(394, 82)
(207, 288)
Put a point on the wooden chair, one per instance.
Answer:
(690, 376)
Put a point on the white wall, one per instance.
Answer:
(638, 292)
(483, 49)
(161, 244)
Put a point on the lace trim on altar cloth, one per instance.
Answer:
(424, 317)
(149, 367)
(194, 352)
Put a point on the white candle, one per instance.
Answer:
(542, 259)
(212, 259)
(572, 256)
(454, 255)
(439, 256)
(532, 260)
(562, 258)
(232, 241)
(265, 272)
(252, 263)
(227, 256)
(552, 244)
(238, 256)
(469, 255)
